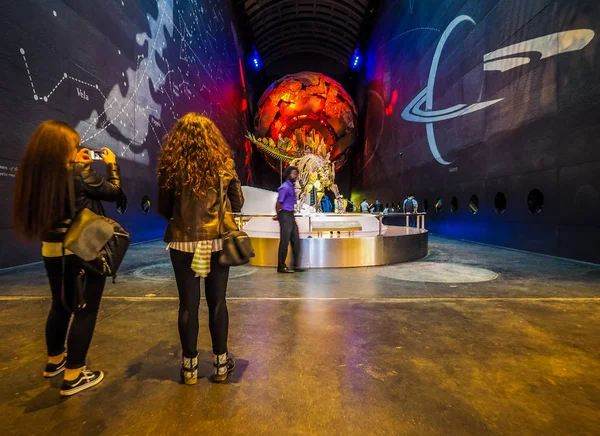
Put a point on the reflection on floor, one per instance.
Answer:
(470, 340)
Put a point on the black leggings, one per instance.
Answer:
(188, 287)
(84, 321)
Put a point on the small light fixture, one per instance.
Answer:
(255, 60)
(356, 59)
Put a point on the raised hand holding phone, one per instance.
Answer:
(108, 156)
(83, 155)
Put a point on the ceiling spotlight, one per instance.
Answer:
(356, 59)
(255, 60)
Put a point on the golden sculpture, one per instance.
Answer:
(315, 170)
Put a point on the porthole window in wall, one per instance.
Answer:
(122, 205)
(500, 203)
(438, 205)
(535, 201)
(145, 204)
(425, 205)
(454, 204)
(474, 204)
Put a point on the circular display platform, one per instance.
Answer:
(330, 240)
(343, 249)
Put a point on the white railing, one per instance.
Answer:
(420, 216)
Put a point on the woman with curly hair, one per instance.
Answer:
(193, 164)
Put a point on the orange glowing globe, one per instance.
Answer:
(313, 103)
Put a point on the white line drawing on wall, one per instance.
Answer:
(132, 112)
(501, 60)
(119, 109)
(548, 46)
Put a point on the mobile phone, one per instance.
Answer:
(96, 154)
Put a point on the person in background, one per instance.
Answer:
(403, 204)
(386, 209)
(410, 206)
(365, 207)
(193, 164)
(349, 207)
(326, 205)
(41, 206)
(378, 206)
(288, 229)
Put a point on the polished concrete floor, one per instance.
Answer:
(472, 340)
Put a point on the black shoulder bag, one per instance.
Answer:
(237, 248)
(99, 242)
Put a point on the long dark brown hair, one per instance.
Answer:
(194, 153)
(40, 194)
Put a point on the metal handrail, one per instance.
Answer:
(270, 215)
(239, 216)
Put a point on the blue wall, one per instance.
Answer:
(529, 118)
(120, 72)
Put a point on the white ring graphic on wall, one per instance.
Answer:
(501, 60)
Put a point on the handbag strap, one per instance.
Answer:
(79, 285)
(71, 185)
(71, 189)
(221, 205)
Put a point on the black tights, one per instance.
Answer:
(188, 287)
(84, 321)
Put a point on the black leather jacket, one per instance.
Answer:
(197, 219)
(90, 191)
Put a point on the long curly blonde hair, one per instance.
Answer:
(194, 154)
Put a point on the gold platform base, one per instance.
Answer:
(399, 244)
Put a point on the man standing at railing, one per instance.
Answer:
(365, 206)
(349, 206)
(411, 206)
(378, 206)
(288, 229)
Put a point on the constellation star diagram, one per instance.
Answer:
(187, 57)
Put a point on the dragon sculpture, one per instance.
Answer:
(315, 170)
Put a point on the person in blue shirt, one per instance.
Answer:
(326, 205)
(410, 206)
(378, 206)
(288, 229)
(365, 207)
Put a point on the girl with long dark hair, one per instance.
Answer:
(194, 163)
(41, 206)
